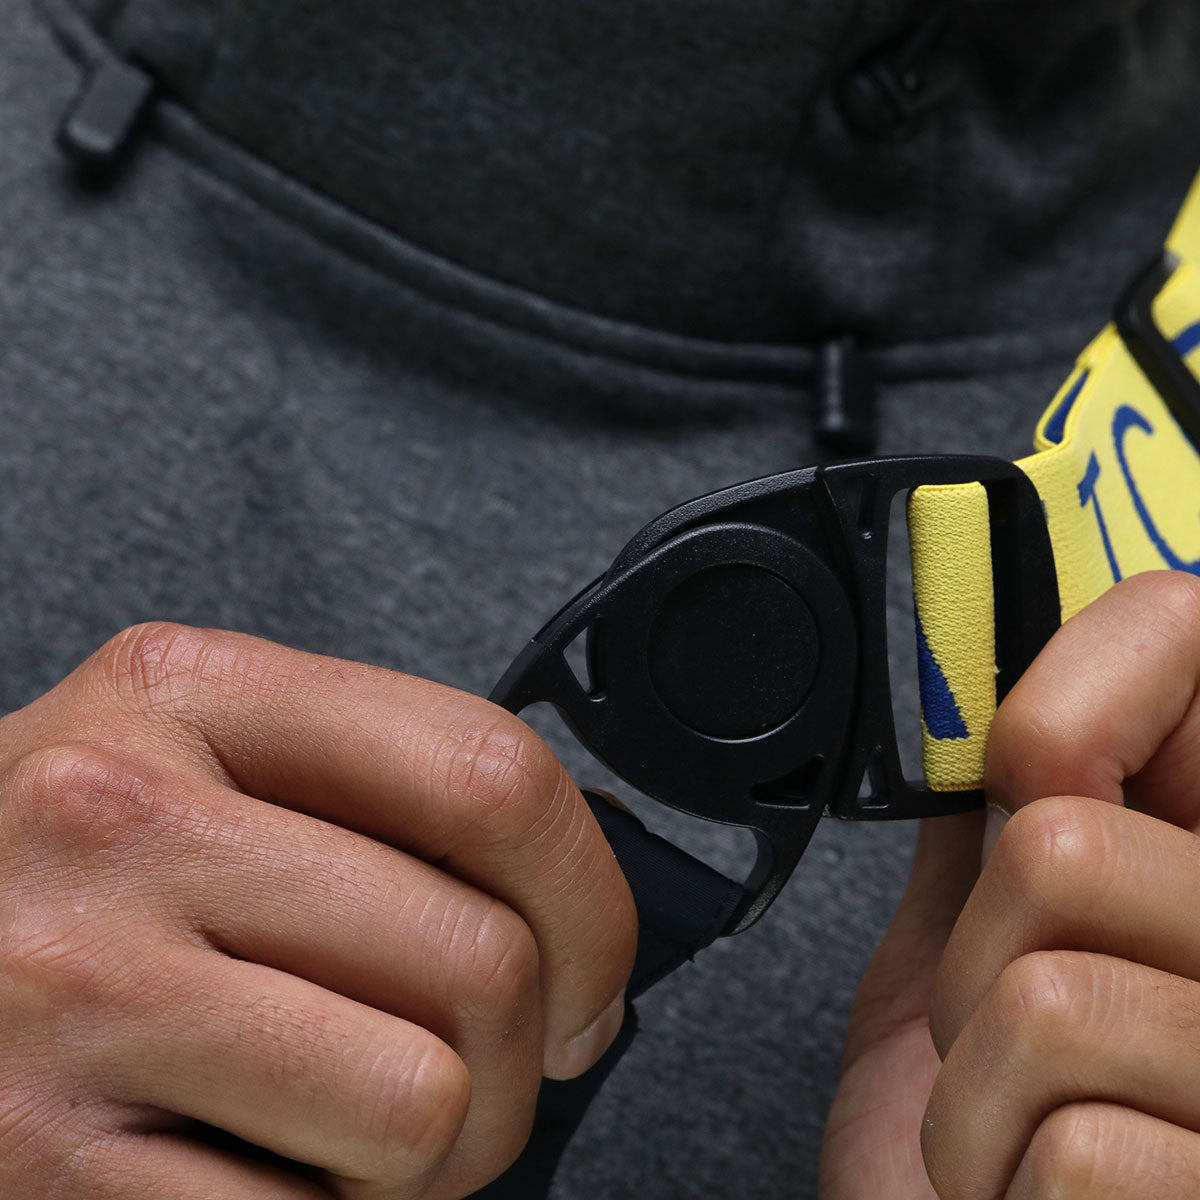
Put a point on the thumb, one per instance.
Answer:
(897, 985)
(1110, 708)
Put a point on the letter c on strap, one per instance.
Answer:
(1125, 419)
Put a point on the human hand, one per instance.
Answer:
(1064, 1001)
(345, 915)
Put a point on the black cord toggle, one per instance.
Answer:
(106, 114)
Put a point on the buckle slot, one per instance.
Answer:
(1026, 605)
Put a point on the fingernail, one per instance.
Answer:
(581, 1051)
(997, 818)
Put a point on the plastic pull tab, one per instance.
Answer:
(845, 399)
(103, 118)
(886, 93)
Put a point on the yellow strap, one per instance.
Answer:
(1184, 239)
(1120, 482)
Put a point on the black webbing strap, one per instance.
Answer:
(682, 906)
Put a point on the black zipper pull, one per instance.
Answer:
(104, 117)
(888, 90)
(844, 393)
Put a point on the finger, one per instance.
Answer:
(1097, 1151)
(444, 775)
(1071, 872)
(288, 1066)
(895, 989)
(153, 1166)
(343, 911)
(1112, 698)
(1058, 1027)
(389, 931)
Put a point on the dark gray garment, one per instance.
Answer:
(401, 319)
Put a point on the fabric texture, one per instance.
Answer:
(956, 639)
(400, 320)
(682, 163)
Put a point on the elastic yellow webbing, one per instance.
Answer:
(1120, 482)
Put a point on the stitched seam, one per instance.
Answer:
(768, 364)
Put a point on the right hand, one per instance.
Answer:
(345, 915)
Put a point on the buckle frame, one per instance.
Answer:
(1157, 358)
(770, 722)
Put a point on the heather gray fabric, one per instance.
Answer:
(403, 318)
(680, 162)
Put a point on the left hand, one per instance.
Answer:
(1033, 1030)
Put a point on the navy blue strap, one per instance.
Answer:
(683, 905)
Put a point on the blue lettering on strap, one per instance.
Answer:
(1128, 418)
(1057, 424)
(938, 706)
(1087, 492)
(1188, 340)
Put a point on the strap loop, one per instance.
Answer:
(1112, 460)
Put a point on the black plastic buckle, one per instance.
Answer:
(737, 651)
(1159, 361)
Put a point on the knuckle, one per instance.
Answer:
(1051, 853)
(81, 796)
(1069, 1152)
(134, 661)
(151, 664)
(57, 976)
(1039, 1001)
(419, 1098)
(507, 773)
(499, 977)
(38, 1151)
